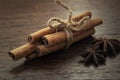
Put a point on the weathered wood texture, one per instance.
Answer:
(19, 18)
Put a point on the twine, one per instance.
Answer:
(68, 26)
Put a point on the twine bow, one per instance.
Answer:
(68, 26)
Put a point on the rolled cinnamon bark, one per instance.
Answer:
(80, 16)
(56, 38)
(36, 36)
(22, 51)
(43, 50)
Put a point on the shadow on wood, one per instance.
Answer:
(56, 60)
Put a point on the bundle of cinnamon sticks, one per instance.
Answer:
(47, 40)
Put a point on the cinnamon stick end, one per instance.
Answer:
(30, 39)
(89, 14)
(34, 55)
(12, 55)
(45, 41)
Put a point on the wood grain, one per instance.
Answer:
(19, 18)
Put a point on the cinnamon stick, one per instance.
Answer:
(80, 16)
(36, 36)
(56, 38)
(22, 51)
(43, 50)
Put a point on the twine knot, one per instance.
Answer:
(68, 26)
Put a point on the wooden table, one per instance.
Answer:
(19, 18)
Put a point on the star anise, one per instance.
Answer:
(110, 46)
(94, 56)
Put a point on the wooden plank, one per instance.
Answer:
(20, 18)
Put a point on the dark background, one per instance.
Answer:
(19, 18)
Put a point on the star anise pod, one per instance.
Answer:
(110, 46)
(94, 56)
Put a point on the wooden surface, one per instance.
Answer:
(19, 18)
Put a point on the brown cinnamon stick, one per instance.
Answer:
(56, 38)
(43, 50)
(22, 51)
(80, 16)
(36, 36)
